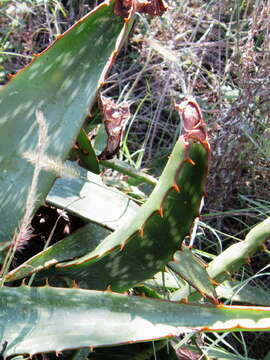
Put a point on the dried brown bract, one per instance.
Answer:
(193, 123)
(126, 8)
(115, 117)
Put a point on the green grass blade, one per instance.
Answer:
(61, 82)
(54, 319)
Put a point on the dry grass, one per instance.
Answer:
(217, 51)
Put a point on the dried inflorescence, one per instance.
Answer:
(115, 117)
(193, 123)
(126, 8)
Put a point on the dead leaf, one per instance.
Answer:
(127, 8)
(115, 117)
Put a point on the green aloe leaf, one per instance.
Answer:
(235, 291)
(163, 280)
(93, 318)
(191, 269)
(145, 244)
(88, 198)
(231, 259)
(86, 153)
(62, 83)
(75, 245)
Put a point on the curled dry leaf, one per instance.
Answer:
(193, 123)
(126, 8)
(115, 118)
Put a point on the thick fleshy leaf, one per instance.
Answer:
(86, 153)
(75, 245)
(192, 270)
(54, 319)
(90, 199)
(145, 244)
(62, 83)
(231, 259)
(235, 291)
(162, 280)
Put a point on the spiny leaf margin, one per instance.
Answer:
(61, 82)
(94, 318)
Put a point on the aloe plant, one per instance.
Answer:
(107, 254)
(62, 86)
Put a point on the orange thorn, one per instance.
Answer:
(75, 146)
(84, 152)
(216, 301)
(24, 282)
(161, 212)
(75, 285)
(176, 187)
(214, 282)
(190, 161)
(109, 288)
(122, 246)
(141, 232)
(207, 145)
(184, 301)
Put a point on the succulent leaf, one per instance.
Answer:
(93, 318)
(192, 270)
(144, 245)
(62, 83)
